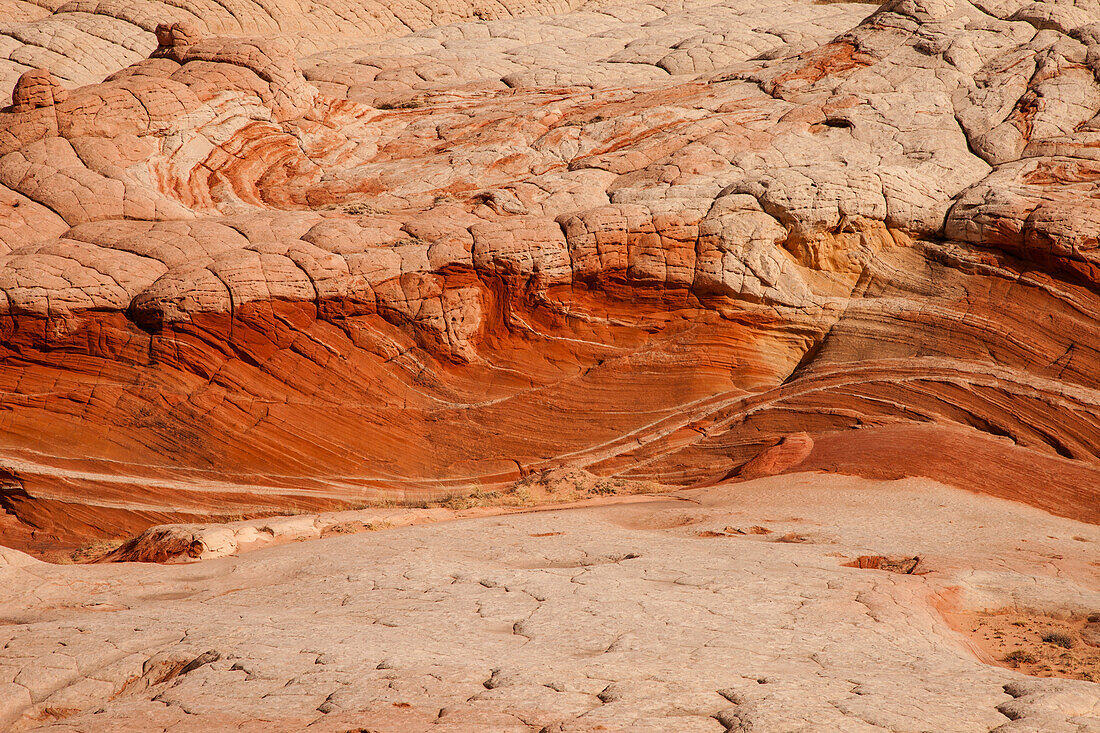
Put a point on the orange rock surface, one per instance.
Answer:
(258, 267)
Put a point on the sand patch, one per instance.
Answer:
(1035, 644)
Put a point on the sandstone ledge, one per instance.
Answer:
(645, 616)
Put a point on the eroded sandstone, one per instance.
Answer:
(244, 274)
(613, 618)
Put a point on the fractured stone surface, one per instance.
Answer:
(639, 617)
(301, 256)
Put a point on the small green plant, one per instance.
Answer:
(1057, 638)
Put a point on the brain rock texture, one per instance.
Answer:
(302, 255)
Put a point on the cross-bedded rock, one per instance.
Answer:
(242, 274)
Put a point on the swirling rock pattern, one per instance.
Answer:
(245, 272)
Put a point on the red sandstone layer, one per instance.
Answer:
(234, 286)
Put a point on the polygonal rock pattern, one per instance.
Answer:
(82, 40)
(639, 617)
(277, 260)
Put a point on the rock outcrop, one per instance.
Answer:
(645, 617)
(241, 274)
(83, 40)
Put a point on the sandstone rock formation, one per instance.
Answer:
(269, 262)
(619, 618)
(83, 40)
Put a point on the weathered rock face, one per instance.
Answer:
(645, 241)
(83, 40)
(659, 616)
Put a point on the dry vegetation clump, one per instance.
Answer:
(354, 527)
(1019, 656)
(356, 208)
(1057, 638)
(571, 484)
(1038, 644)
(362, 208)
(554, 486)
(404, 104)
(92, 551)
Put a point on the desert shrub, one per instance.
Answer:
(456, 502)
(1057, 638)
(1020, 656)
(361, 208)
(406, 104)
(95, 550)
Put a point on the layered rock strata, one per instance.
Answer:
(647, 241)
